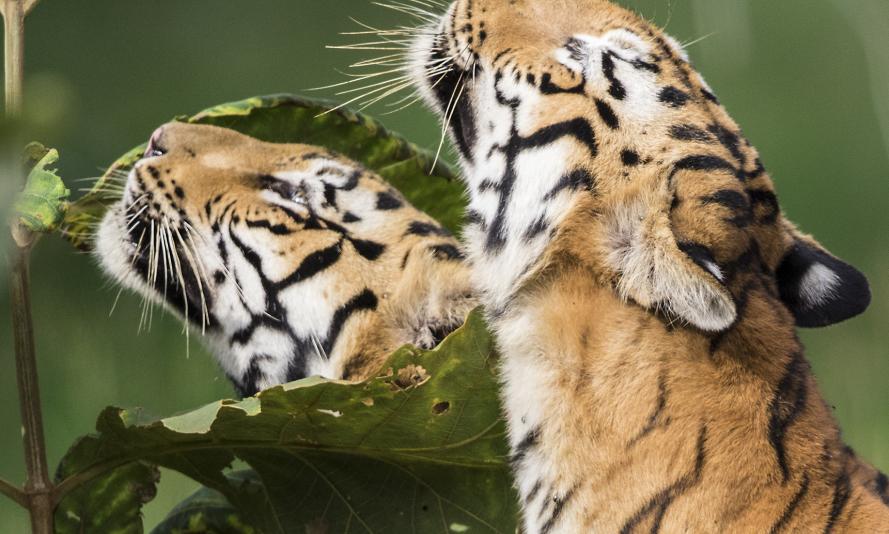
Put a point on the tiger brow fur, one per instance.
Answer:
(642, 282)
(291, 261)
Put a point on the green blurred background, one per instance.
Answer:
(807, 79)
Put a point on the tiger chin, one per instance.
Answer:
(290, 260)
(642, 282)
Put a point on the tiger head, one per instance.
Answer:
(293, 261)
(584, 129)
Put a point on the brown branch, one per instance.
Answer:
(38, 488)
(14, 493)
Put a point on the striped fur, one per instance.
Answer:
(292, 261)
(642, 282)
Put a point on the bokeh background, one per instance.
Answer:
(807, 79)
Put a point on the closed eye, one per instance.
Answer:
(283, 188)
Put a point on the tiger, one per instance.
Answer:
(290, 260)
(641, 281)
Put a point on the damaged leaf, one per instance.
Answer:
(418, 449)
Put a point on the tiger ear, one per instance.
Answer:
(659, 271)
(817, 287)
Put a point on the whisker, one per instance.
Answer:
(448, 115)
(698, 40)
(194, 263)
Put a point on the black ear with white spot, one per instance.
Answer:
(819, 288)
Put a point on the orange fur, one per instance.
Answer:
(653, 379)
(287, 203)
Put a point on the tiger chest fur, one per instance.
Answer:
(642, 282)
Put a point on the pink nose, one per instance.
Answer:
(155, 146)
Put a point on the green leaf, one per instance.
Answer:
(293, 119)
(419, 448)
(209, 512)
(43, 203)
(121, 492)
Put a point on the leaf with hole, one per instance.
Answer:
(418, 448)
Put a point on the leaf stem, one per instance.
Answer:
(38, 489)
(14, 493)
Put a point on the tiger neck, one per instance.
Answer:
(596, 390)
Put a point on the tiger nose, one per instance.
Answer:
(155, 146)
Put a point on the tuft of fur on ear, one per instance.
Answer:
(819, 288)
(657, 272)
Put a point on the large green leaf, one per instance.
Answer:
(419, 448)
(292, 119)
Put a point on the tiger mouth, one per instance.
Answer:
(157, 255)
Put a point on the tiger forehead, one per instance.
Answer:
(493, 26)
(550, 44)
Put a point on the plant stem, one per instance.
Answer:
(13, 493)
(38, 488)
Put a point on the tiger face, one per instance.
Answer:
(292, 261)
(583, 128)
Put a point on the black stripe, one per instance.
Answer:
(787, 404)
(741, 302)
(842, 490)
(538, 227)
(277, 229)
(350, 217)
(767, 199)
(425, 229)
(578, 128)
(688, 132)
(657, 506)
(558, 505)
(730, 140)
(547, 87)
(791, 508)
(616, 89)
(881, 482)
(388, 202)
(474, 217)
(523, 447)
(734, 201)
(758, 171)
(534, 491)
(330, 196)
(366, 300)
(446, 252)
(299, 219)
(607, 114)
(673, 97)
(369, 250)
(710, 96)
(659, 407)
(573, 181)
(703, 162)
(313, 264)
(728, 198)
(246, 384)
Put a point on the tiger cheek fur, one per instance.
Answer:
(641, 280)
(290, 260)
